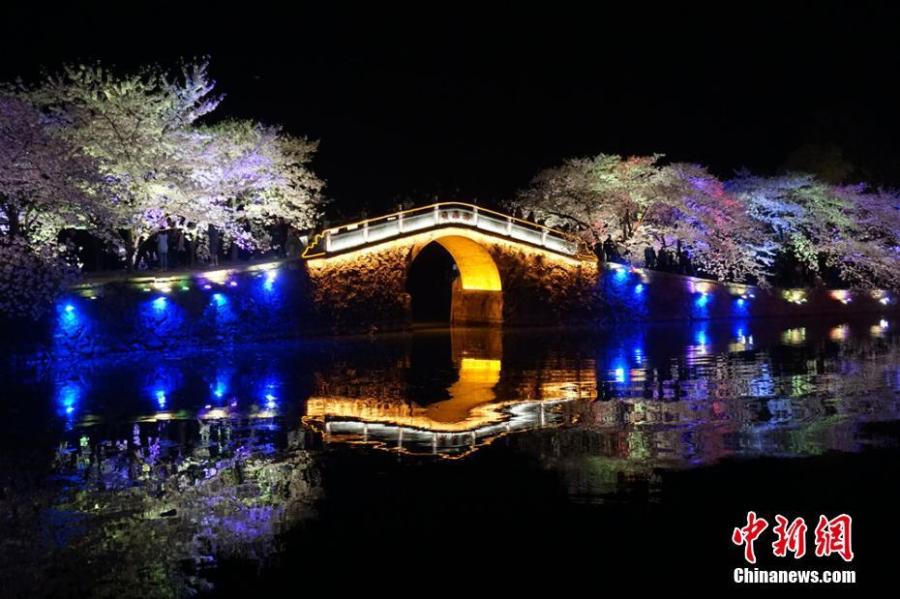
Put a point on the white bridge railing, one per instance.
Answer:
(382, 228)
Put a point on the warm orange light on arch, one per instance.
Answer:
(477, 269)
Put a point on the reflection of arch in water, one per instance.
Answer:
(472, 416)
(477, 294)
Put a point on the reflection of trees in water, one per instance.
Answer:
(676, 404)
(170, 500)
(732, 405)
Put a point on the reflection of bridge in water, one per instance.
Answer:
(473, 415)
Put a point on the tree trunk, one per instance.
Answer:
(128, 236)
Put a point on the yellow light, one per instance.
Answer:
(795, 296)
(214, 414)
(794, 336)
(216, 276)
(839, 333)
(477, 269)
(701, 287)
(738, 289)
(841, 295)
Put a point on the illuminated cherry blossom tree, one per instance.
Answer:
(162, 169)
(849, 228)
(259, 176)
(600, 196)
(46, 183)
(640, 203)
(137, 128)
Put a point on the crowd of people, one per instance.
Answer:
(174, 248)
(676, 260)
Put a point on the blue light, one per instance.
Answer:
(741, 305)
(621, 274)
(68, 396)
(639, 288)
(219, 299)
(268, 391)
(71, 319)
(219, 390)
(161, 398)
(638, 355)
(269, 283)
(702, 300)
(700, 337)
(620, 374)
(159, 304)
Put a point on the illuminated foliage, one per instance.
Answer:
(45, 182)
(160, 169)
(30, 277)
(640, 203)
(259, 176)
(848, 228)
(732, 230)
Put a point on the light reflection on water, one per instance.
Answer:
(690, 394)
(219, 452)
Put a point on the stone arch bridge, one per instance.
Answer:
(509, 269)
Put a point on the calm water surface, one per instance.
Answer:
(441, 455)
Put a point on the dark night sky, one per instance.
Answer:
(469, 104)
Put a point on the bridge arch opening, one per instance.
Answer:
(455, 279)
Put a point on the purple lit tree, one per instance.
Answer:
(259, 176)
(137, 128)
(641, 203)
(162, 170)
(46, 185)
(847, 228)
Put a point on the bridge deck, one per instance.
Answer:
(444, 214)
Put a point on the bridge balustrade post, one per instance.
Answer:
(327, 241)
(437, 214)
(400, 222)
(475, 220)
(544, 237)
(366, 232)
(509, 224)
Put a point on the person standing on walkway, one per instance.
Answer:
(162, 249)
(649, 257)
(213, 235)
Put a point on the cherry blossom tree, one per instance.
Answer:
(163, 169)
(137, 128)
(599, 196)
(694, 208)
(259, 176)
(849, 228)
(46, 183)
(31, 277)
(641, 203)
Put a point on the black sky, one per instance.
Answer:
(469, 103)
